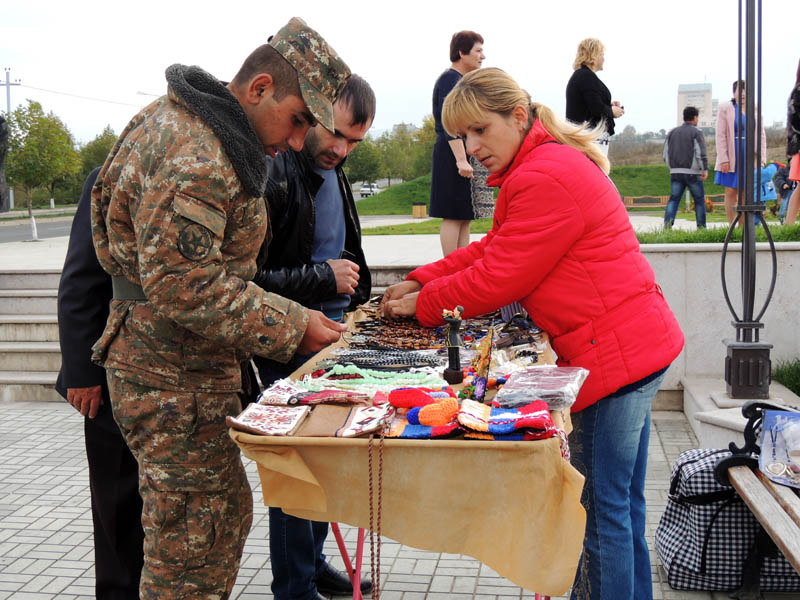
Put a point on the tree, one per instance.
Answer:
(95, 152)
(41, 152)
(424, 140)
(397, 151)
(364, 162)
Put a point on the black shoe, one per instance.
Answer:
(333, 582)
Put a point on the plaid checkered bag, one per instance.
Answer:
(706, 531)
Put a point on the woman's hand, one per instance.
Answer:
(616, 109)
(403, 307)
(398, 290)
(724, 167)
(464, 168)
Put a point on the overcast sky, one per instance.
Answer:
(118, 51)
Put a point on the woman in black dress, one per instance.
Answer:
(588, 99)
(451, 196)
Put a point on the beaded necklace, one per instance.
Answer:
(368, 380)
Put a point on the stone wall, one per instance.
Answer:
(690, 276)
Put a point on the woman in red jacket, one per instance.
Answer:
(562, 245)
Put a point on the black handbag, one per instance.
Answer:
(706, 532)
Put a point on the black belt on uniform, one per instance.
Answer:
(125, 290)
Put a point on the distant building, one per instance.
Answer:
(699, 96)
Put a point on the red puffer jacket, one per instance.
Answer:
(562, 244)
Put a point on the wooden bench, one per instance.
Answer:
(645, 201)
(712, 201)
(775, 506)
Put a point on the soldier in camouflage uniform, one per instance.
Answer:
(178, 218)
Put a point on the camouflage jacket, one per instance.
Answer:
(178, 209)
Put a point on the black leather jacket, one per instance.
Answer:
(288, 271)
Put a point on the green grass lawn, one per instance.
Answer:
(430, 226)
(651, 180)
(398, 199)
(16, 215)
(638, 180)
(780, 233)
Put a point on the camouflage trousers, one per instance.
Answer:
(198, 506)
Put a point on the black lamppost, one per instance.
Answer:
(748, 368)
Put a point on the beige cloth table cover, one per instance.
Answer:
(514, 506)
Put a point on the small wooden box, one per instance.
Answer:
(419, 211)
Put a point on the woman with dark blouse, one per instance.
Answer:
(451, 196)
(588, 99)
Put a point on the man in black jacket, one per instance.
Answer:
(83, 296)
(315, 258)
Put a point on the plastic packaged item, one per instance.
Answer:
(558, 386)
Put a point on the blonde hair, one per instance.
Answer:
(494, 90)
(589, 50)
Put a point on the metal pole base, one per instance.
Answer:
(748, 369)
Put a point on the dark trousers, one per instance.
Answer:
(116, 509)
(295, 549)
(295, 545)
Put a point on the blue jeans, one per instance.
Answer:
(678, 183)
(295, 548)
(609, 447)
(784, 204)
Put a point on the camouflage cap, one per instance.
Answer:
(320, 71)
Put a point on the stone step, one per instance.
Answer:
(385, 275)
(28, 328)
(30, 386)
(29, 279)
(30, 356)
(715, 418)
(28, 301)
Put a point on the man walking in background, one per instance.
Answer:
(685, 155)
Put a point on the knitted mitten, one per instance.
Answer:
(411, 397)
(502, 421)
(440, 413)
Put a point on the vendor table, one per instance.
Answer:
(514, 506)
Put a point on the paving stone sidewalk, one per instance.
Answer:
(46, 548)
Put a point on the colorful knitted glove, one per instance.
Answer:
(411, 397)
(401, 428)
(501, 421)
(439, 413)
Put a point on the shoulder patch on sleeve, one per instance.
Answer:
(200, 212)
(194, 241)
